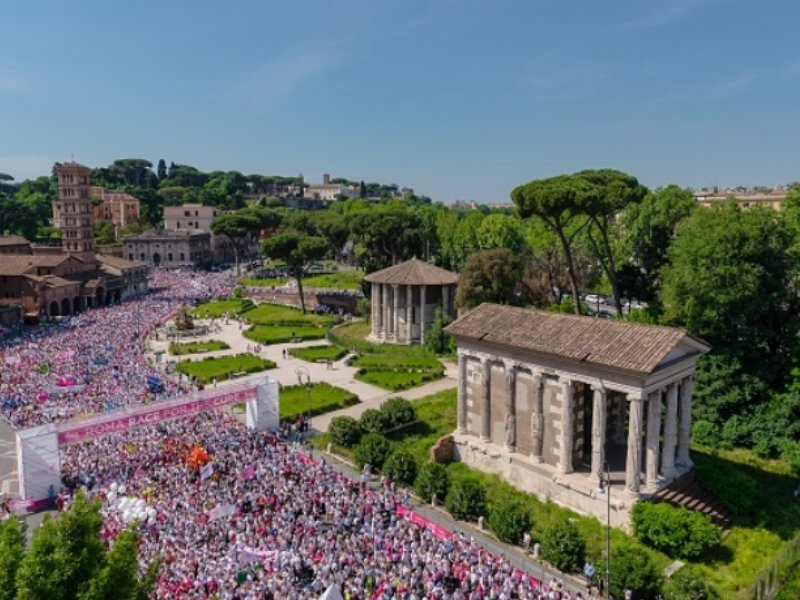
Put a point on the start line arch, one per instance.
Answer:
(38, 460)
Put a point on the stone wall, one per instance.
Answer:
(442, 450)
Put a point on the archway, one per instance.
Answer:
(101, 292)
(156, 259)
(76, 305)
(54, 309)
(117, 296)
(65, 308)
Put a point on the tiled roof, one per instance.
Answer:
(601, 342)
(17, 264)
(413, 272)
(118, 262)
(12, 240)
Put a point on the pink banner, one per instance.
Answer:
(126, 419)
(416, 518)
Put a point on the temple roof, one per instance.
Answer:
(413, 272)
(600, 342)
(13, 240)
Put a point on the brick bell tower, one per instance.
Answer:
(73, 211)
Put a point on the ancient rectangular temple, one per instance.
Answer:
(551, 402)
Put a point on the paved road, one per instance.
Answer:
(8, 461)
(514, 554)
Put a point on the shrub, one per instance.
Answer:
(563, 546)
(686, 584)
(433, 479)
(732, 486)
(344, 431)
(398, 411)
(374, 420)
(401, 467)
(632, 569)
(676, 532)
(510, 519)
(466, 499)
(372, 450)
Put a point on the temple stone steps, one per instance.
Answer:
(687, 492)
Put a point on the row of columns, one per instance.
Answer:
(660, 459)
(386, 311)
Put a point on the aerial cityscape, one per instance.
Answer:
(339, 300)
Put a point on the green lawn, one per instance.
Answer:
(294, 400)
(315, 353)
(390, 366)
(278, 314)
(343, 280)
(265, 282)
(218, 308)
(208, 369)
(178, 349)
(281, 334)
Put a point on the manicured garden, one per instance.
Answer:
(279, 324)
(219, 368)
(219, 308)
(181, 348)
(318, 353)
(392, 367)
(294, 400)
(264, 281)
(341, 280)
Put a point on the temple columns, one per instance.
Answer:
(670, 433)
(422, 290)
(565, 442)
(685, 431)
(599, 412)
(511, 413)
(462, 393)
(653, 433)
(409, 314)
(633, 464)
(385, 312)
(537, 419)
(376, 307)
(445, 301)
(486, 407)
(396, 312)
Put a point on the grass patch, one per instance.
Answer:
(281, 334)
(389, 366)
(759, 534)
(208, 369)
(315, 353)
(278, 314)
(219, 308)
(343, 280)
(179, 349)
(265, 281)
(294, 400)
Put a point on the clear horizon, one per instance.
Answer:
(458, 100)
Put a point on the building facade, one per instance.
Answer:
(404, 300)
(74, 210)
(14, 244)
(168, 248)
(113, 206)
(328, 191)
(196, 217)
(551, 402)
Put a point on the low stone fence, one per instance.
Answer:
(771, 578)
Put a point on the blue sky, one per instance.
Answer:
(458, 99)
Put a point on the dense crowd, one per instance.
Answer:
(255, 519)
(262, 520)
(93, 362)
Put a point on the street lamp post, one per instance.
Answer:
(605, 488)
(304, 378)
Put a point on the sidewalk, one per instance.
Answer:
(340, 375)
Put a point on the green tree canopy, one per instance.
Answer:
(298, 250)
(562, 202)
(490, 276)
(239, 227)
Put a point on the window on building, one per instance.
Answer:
(178, 225)
(169, 256)
(130, 256)
(142, 255)
(197, 225)
(183, 257)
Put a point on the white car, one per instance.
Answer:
(592, 299)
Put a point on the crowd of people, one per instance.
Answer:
(94, 362)
(233, 513)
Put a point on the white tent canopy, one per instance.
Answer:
(332, 593)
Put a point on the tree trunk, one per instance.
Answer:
(236, 258)
(608, 264)
(573, 278)
(298, 274)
